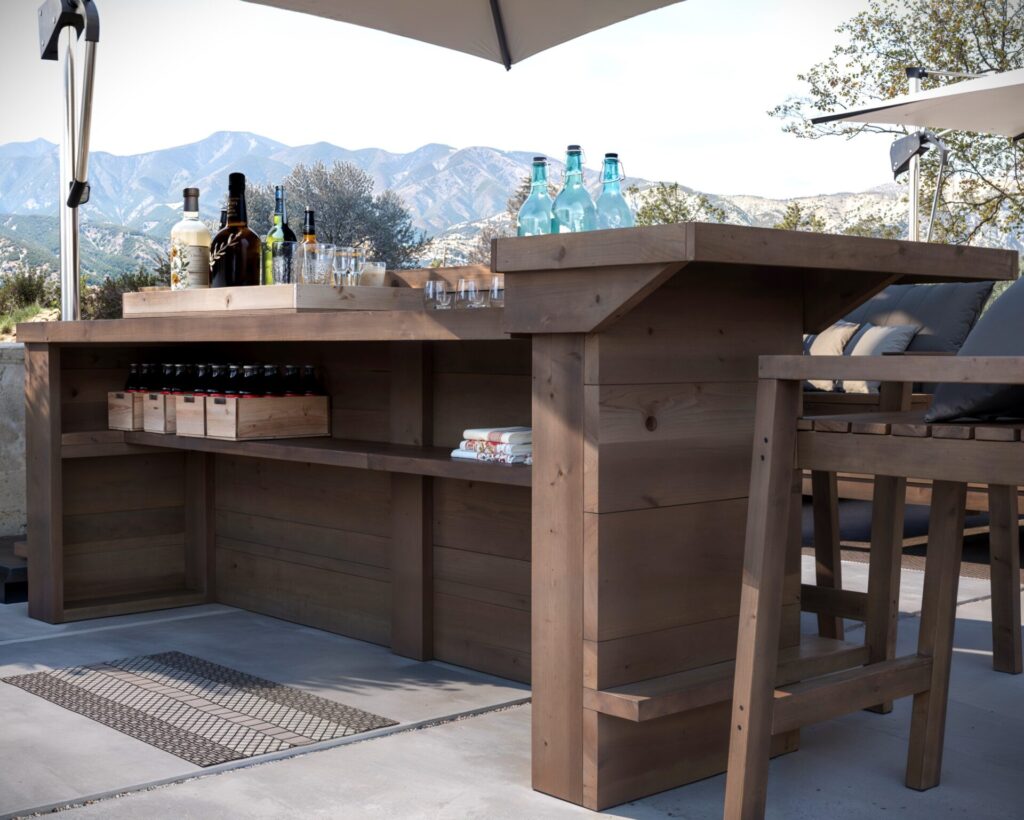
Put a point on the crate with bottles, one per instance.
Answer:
(573, 209)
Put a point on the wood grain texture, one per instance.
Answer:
(828, 565)
(557, 631)
(1004, 543)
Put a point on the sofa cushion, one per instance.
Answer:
(830, 342)
(945, 312)
(877, 340)
(1000, 332)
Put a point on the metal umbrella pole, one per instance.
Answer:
(62, 23)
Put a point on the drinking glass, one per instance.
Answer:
(464, 294)
(497, 292)
(343, 266)
(284, 262)
(317, 263)
(439, 295)
(358, 263)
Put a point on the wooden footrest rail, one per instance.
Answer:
(841, 603)
(683, 691)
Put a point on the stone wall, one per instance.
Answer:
(12, 439)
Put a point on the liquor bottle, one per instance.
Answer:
(574, 209)
(612, 209)
(309, 228)
(235, 252)
(279, 232)
(190, 247)
(535, 216)
(133, 384)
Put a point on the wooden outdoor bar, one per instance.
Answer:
(612, 586)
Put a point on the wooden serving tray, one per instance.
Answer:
(260, 299)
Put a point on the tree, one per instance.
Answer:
(347, 211)
(668, 203)
(984, 190)
(797, 219)
(875, 227)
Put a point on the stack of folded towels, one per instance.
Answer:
(504, 445)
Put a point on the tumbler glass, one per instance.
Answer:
(284, 262)
(317, 263)
(343, 266)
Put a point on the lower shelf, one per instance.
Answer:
(366, 455)
(683, 691)
(128, 604)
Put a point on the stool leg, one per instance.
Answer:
(1004, 544)
(887, 510)
(764, 561)
(938, 619)
(827, 558)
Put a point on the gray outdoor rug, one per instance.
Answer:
(199, 711)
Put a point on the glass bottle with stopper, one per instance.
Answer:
(612, 209)
(574, 209)
(190, 247)
(535, 215)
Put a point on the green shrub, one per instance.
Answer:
(103, 301)
(9, 320)
(25, 287)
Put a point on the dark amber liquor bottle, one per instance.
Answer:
(236, 254)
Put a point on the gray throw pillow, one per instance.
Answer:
(830, 342)
(875, 340)
(999, 332)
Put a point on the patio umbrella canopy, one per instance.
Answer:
(988, 105)
(504, 32)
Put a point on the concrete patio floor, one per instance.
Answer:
(476, 765)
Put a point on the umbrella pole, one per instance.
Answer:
(914, 221)
(69, 252)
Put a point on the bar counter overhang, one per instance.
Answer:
(612, 585)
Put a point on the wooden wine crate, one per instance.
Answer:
(238, 419)
(190, 415)
(158, 413)
(261, 299)
(124, 410)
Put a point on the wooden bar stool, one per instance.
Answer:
(783, 444)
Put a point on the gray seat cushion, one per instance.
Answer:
(945, 312)
(1000, 332)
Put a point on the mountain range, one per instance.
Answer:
(451, 193)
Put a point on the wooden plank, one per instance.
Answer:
(744, 245)
(482, 517)
(139, 567)
(935, 635)
(843, 692)
(305, 559)
(1004, 545)
(464, 400)
(980, 462)
(108, 607)
(557, 586)
(607, 664)
(761, 597)
(684, 691)
(43, 480)
(942, 369)
(829, 295)
(957, 431)
(412, 600)
(478, 569)
(832, 425)
(484, 636)
(358, 325)
(835, 603)
(648, 570)
(828, 565)
(667, 337)
(200, 524)
(585, 300)
(666, 444)
(100, 485)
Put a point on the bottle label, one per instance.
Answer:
(190, 266)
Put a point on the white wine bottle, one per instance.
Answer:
(190, 247)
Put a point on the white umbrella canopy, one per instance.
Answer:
(504, 31)
(993, 104)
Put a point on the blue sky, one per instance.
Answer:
(681, 93)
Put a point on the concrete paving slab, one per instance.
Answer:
(61, 755)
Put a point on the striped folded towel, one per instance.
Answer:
(500, 435)
(480, 446)
(494, 458)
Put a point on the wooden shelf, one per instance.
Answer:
(364, 455)
(85, 609)
(683, 691)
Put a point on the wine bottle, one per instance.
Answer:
(309, 228)
(612, 209)
(279, 232)
(534, 217)
(236, 252)
(190, 247)
(574, 209)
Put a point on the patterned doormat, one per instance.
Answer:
(199, 711)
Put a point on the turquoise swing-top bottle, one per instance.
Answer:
(612, 209)
(535, 215)
(574, 209)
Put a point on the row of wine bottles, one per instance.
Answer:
(235, 256)
(204, 379)
(574, 210)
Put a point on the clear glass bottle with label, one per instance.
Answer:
(190, 247)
